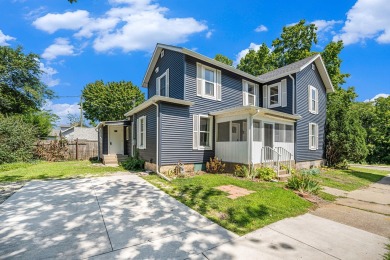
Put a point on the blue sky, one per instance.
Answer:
(113, 40)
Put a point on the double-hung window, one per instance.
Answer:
(274, 95)
(313, 100)
(208, 82)
(249, 93)
(202, 132)
(141, 132)
(162, 84)
(313, 136)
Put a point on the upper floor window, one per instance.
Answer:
(250, 93)
(202, 132)
(313, 136)
(141, 132)
(162, 84)
(313, 100)
(274, 95)
(208, 82)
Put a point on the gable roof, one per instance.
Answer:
(299, 66)
(275, 74)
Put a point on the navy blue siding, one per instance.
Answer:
(105, 140)
(175, 62)
(288, 108)
(306, 77)
(148, 154)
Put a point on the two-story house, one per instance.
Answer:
(199, 108)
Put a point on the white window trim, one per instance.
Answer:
(197, 133)
(279, 85)
(311, 109)
(246, 94)
(315, 134)
(142, 118)
(158, 80)
(201, 79)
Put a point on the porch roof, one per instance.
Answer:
(253, 110)
(118, 122)
(156, 99)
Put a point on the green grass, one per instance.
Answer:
(51, 170)
(326, 196)
(269, 203)
(351, 179)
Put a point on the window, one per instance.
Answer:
(279, 133)
(208, 82)
(274, 92)
(239, 130)
(256, 131)
(162, 53)
(162, 84)
(202, 132)
(250, 91)
(223, 132)
(313, 136)
(289, 134)
(127, 133)
(313, 100)
(141, 132)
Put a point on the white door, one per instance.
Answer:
(236, 132)
(115, 137)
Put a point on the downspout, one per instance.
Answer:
(293, 94)
(157, 143)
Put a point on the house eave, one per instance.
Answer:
(253, 110)
(156, 99)
(118, 122)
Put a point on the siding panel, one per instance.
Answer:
(288, 108)
(149, 154)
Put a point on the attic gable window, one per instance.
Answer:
(162, 84)
(208, 82)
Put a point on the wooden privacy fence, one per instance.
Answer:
(77, 149)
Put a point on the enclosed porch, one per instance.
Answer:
(255, 136)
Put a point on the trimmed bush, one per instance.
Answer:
(133, 164)
(303, 183)
(215, 165)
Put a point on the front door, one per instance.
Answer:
(268, 139)
(115, 140)
(236, 132)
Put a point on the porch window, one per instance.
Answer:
(127, 133)
(249, 92)
(202, 132)
(274, 98)
(208, 82)
(162, 84)
(313, 136)
(223, 132)
(279, 133)
(313, 100)
(141, 133)
(239, 131)
(256, 131)
(289, 134)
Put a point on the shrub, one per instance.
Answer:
(303, 183)
(215, 165)
(343, 165)
(133, 164)
(241, 171)
(16, 140)
(53, 151)
(312, 171)
(265, 173)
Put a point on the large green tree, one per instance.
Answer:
(258, 62)
(223, 59)
(110, 101)
(42, 120)
(21, 88)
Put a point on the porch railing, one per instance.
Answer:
(274, 157)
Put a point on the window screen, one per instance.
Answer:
(239, 130)
(223, 132)
(256, 131)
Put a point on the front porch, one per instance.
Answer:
(256, 137)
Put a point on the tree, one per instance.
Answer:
(110, 101)
(74, 120)
(223, 59)
(258, 62)
(43, 121)
(21, 89)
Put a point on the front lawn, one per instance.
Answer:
(269, 203)
(51, 170)
(349, 180)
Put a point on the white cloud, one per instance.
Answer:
(60, 47)
(244, 52)
(367, 19)
(377, 96)
(70, 20)
(129, 25)
(325, 26)
(209, 34)
(261, 28)
(5, 38)
(62, 110)
(48, 73)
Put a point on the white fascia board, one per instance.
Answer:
(254, 110)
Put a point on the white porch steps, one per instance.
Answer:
(114, 159)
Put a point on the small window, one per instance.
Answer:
(274, 95)
(157, 70)
(289, 134)
(141, 133)
(279, 133)
(162, 84)
(208, 82)
(256, 131)
(202, 132)
(127, 133)
(239, 131)
(162, 53)
(313, 136)
(223, 132)
(249, 93)
(313, 100)
(313, 67)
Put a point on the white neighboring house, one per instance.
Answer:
(76, 132)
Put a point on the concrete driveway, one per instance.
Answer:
(108, 217)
